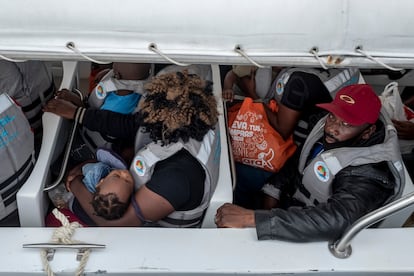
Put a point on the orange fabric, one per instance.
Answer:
(254, 141)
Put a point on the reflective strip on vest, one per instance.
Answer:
(320, 172)
(16, 152)
(207, 152)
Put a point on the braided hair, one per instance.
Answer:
(108, 205)
(177, 106)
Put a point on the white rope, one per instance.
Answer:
(11, 59)
(359, 50)
(240, 51)
(153, 47)
(71, 46)
(314, 52)
(63, 235)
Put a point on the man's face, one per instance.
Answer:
(337, 130)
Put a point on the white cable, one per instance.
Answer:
(153, 47)
(359, 50)
(71, 46)
(11, 60)
(239, 50)
(314, 52)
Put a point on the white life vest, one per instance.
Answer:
(30, 83)
(320, 172)
(94, 139)
(16, 153)
(207, 152)
(333, 79)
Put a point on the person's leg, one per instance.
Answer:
(249, 182)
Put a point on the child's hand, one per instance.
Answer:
(72, 174)
(60, 107)
(228, 95)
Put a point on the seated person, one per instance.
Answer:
(109, 181)
(344, 172)
(107, 178)
(175, 172)
(119, 90)
(248, 81)
(30, 84)
(297, 91)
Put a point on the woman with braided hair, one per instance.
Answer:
(177, 152)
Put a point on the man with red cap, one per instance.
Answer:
(349, 165)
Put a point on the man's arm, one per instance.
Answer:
(122, 126)
(353, 197)
(229, 80)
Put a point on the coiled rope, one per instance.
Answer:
(63, 235)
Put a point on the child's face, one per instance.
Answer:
(119, 182)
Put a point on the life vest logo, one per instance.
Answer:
(321, 171)
(139, 166)
(100, 91)
(279, 87)
(281, 82)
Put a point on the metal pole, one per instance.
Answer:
(342, 248)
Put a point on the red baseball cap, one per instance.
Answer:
(356, 104)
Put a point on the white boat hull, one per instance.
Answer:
(269, 32)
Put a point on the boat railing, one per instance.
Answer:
(342, 247)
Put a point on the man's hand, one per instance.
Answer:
(69, 96)
(61, 107)
(233, 216)
(405, 129)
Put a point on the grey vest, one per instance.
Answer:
(320, 172)
(30, 83)
(16, 153)
(94, 139)
(333, 79)
(207, 152)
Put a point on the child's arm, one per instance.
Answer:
(229, 80)
(74, 173)
(248, 84)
